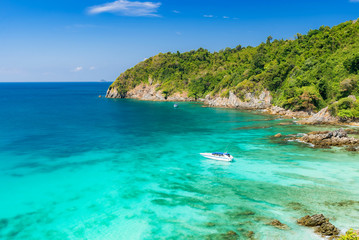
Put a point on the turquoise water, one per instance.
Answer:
(75, 166)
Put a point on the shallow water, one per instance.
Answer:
(75, 166)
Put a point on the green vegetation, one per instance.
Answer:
(345, 108)
(313, 71)
(350, 235)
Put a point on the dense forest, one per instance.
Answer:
(308, 73)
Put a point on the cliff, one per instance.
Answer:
(153, 93)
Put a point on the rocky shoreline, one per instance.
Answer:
(250, 101)
(150, 92)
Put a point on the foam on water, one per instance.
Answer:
(74, 166)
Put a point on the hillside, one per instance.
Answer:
(313, 71)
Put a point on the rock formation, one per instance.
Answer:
(322, 117)
(274, 110)
(252, 101)
(328, 139)
(321, 224)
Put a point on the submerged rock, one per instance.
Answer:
(250, 235)
(232, 233)
(276, 223)
(211, 224)
(252, 128)
(285, 123)
(247, 213)
(278, 135)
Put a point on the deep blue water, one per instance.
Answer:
(76, 166)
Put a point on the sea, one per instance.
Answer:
(74, 165)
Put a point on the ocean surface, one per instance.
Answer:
(76, 166)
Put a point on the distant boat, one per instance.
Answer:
(175, 106)
(218, 156)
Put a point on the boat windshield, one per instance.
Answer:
(221, 154)
(218, 153)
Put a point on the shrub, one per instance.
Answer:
(345, 108)
(350, 235)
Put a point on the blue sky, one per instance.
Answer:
(90, 40)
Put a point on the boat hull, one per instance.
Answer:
(218, 158)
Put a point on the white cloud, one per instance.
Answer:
(92, 68)
(78, 69)
(208, 16)
(353, 0)
(225, 17)
(175, 11)
(128, 8)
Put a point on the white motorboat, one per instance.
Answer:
(218, 156)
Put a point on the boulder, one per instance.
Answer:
(278, 135)
(327, 229)
(322, 224)
(312, 221)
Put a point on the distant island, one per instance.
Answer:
(316, 71)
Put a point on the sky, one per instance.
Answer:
(94, 40)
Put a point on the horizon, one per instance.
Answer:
(99, 39)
